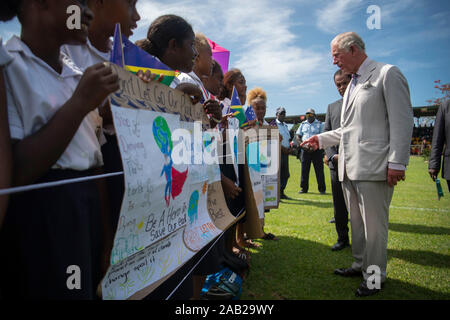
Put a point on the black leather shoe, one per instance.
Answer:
(283, 196)
(364, 291)
(339, 245)
(348, 272)
(332, 220)
(302, 191)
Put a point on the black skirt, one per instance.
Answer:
(115, 185)
(45, 233)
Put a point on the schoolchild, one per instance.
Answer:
(54, 233)
(98, 49)
(170, 38)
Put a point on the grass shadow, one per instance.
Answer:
(293, 201)
(299, 269)
(424, 258)
(412, 228)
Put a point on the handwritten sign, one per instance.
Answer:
(138, 272)
(170, 209)
(270, 152)
(136, 94)
(155, 203)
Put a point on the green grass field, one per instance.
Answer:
(301, 264)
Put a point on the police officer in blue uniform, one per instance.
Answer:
(308, 128)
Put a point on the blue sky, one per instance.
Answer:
(283, 46)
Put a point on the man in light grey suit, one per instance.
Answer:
(374, 144)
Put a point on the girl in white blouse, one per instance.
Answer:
(52, 236)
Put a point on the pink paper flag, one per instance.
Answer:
(221, 55)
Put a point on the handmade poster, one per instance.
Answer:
(271, 191)
(262, 160)
(155, 202)
(134, 274)
(171, 208)
(200, 229)
(270, 156)
(254, 169)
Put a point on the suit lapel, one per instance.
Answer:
(364, 78)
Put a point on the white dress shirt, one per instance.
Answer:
(35, 92)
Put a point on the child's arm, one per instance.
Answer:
(34, 155)
(5, 149)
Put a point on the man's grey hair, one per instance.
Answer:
(346, 40)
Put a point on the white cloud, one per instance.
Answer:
(310, 88)
(334, 18)
(258, 34)
(412, 65)
(393, 10)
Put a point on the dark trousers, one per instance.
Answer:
(316, 158)
(340, 209)
(448, 184)
(284, 171)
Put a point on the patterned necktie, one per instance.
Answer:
(353, 83)
(352, 86)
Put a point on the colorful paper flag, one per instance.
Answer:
(250, 114)
(237, 110)
(132, 58)
(220, 54)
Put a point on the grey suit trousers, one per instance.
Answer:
(368, 203)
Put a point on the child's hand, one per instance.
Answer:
(230, 190)
(148, 76)
(96, 84)
(212, 107)
(191, 90)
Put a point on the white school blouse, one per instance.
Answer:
(192, 78)
(5, 58)
(85, 56)
(35, 92)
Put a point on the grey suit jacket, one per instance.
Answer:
(332, 122)
(441, 136)
(376, 125)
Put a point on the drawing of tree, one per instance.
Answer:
(145, 275)
(127, 288)
(181, 253)
(111, 294)
(165, 264)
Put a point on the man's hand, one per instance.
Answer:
(335, 159)
(395, 176)
(433, 173)
(311, 144)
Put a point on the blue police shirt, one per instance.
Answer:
(307, 130)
